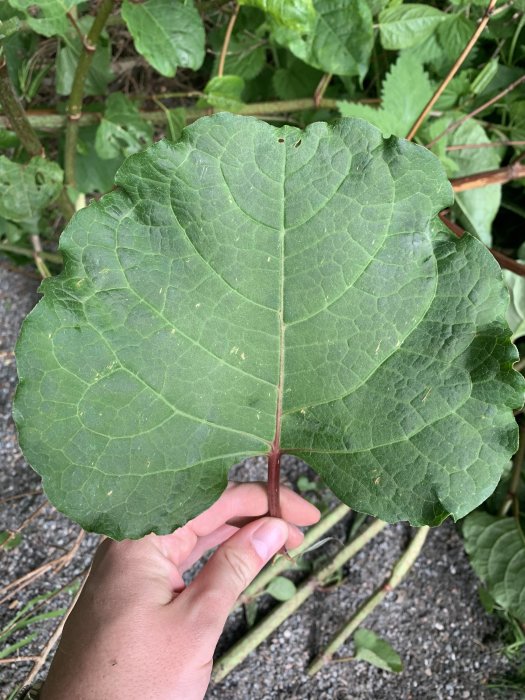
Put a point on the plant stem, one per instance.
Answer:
(274, 474)
(456, 124)
(508, 263)
(37, 256)
(491, 144)
(74, 105)
(54, 122)
(282, 564)
(321, 88)
(226, 42)
(17, 250)
(16, 118)
(452, 72)
(516, 474)
(399, 572)
(500, 176)
(271, 622)
(514, 41)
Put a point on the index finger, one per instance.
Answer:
(251, 500)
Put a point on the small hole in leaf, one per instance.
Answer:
(298, 143)
(281, 140)
(39, 179)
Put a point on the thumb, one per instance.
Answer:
(212, 595)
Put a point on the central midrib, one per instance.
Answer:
(276, 443)
(274, 455)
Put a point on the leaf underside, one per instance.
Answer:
(250, 285)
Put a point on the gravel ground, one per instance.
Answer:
(434, 619)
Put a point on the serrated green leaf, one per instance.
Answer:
(429, 52)
(297, 15)
(168, 33)
(26, 188)
(378, 652)
(68, 55)
(399, 107)
(516, 310)
(456, 90)
(224, 93)
(249, 276)
(408, 25)
(122, 131)
(334, 44)
(496, 549)
(452, 34)
(47, 17)
(377, 117)
(281, 588)
(402, 105)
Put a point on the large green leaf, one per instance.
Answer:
(403, 26)
(47, 17)
(26, 188)
(340, 40)
(248, 278)
(399, 107)
(496, 548)
(168, 33)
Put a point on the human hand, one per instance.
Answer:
(137, 632)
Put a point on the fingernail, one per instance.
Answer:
(269, 538)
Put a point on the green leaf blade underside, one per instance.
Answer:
(247, 272)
